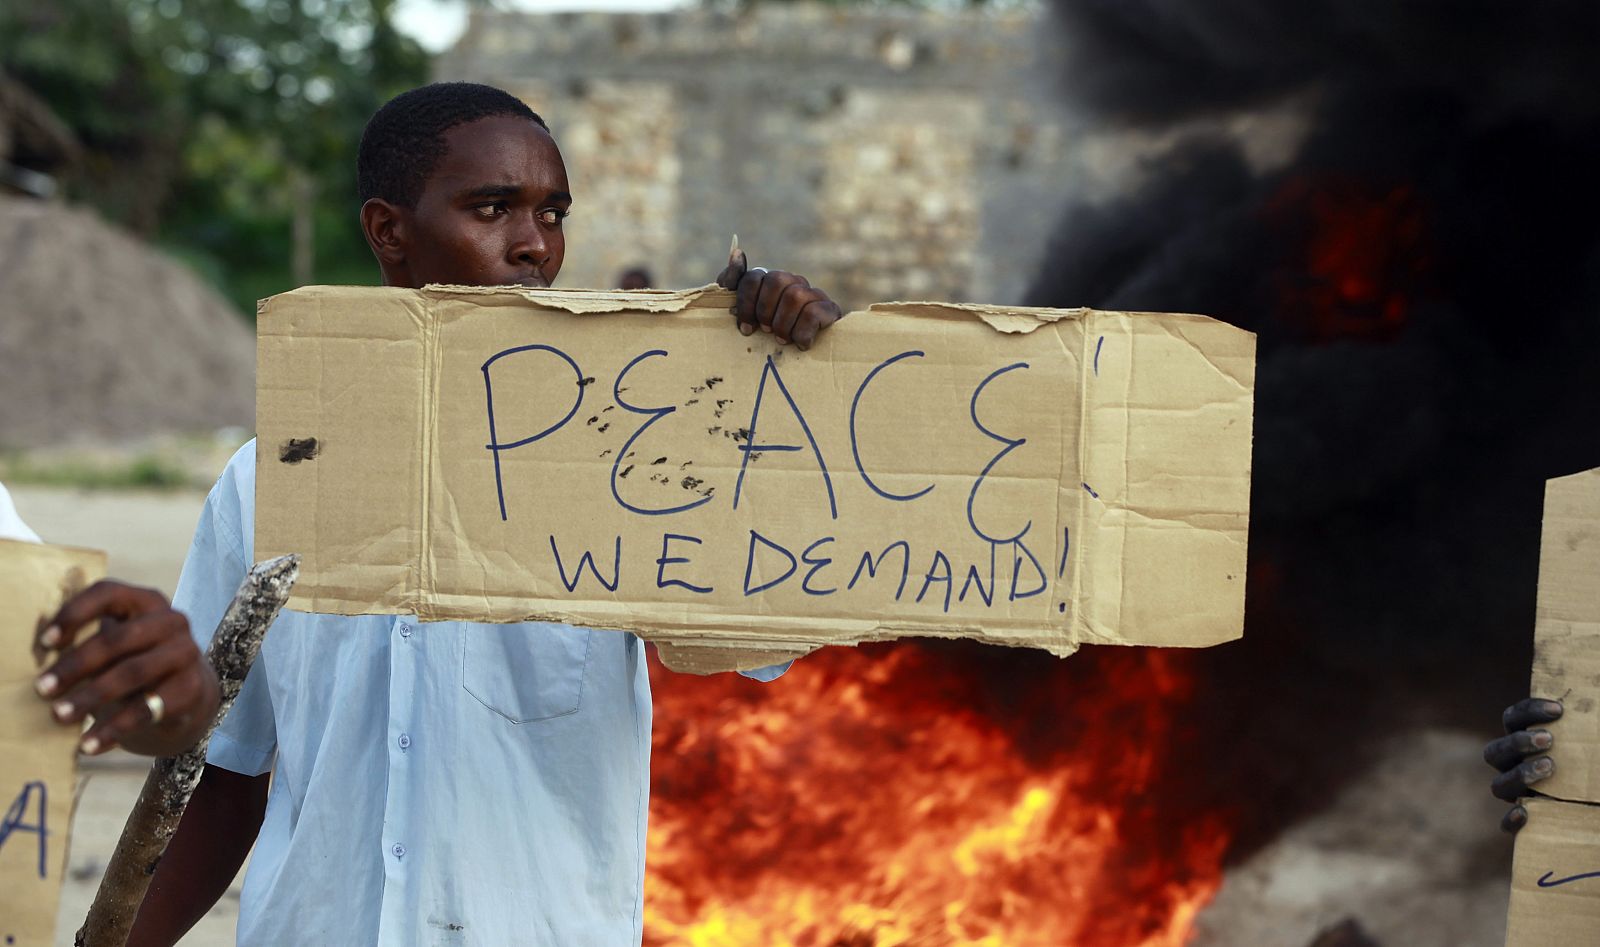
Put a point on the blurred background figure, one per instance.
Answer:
(635, 277)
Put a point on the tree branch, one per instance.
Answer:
(172, 779)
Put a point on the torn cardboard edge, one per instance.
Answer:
(1566, 640)
(729, 635)
(1555, 875)
(596, 301)
(1007, 319)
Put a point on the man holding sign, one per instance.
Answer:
(448, 782)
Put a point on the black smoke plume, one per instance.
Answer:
(1424, 279)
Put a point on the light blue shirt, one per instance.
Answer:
(435, 783)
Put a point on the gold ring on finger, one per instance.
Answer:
(157, 706)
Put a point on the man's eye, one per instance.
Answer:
(553, 215)
(496, 209)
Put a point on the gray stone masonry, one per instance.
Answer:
(884, 153)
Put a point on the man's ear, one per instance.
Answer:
(387, 229)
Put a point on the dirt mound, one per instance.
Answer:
(104, 337)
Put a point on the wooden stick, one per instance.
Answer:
(172, 779)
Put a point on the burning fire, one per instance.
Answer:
(928, 794)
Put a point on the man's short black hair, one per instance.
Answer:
(404, 141)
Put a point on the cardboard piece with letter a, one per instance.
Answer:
(38, 758)
(1555, 876)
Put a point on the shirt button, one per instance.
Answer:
(399, 850)
(405, 741)
(405, 630)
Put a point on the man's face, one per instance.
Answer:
(490, 214)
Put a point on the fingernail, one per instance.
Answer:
(91, 745)
(766, 328)
(46, 684)
(746, 328)
(51, 636)
(1549, 707)
(62, 709)
(1543, 767)
(1542, 739)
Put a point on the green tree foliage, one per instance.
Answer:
(212, 125)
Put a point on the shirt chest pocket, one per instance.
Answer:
(526, 672)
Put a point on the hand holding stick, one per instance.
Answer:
(172, 779)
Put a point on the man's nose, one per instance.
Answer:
(530, 245)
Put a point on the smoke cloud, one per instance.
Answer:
(1424, 278)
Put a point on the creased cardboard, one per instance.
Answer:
(38, 758)
(1555, 875)
(1566, 635)
(1041, 478)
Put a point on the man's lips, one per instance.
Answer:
(534, 282)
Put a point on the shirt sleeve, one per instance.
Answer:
(767, 674)
(247, 739)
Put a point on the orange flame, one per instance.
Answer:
(894, 795)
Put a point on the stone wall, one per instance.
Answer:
(886, 154)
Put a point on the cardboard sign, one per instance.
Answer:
(1555, 876)
(1555, 883)
(38, 758)
(1566, 635)
(1040, 478)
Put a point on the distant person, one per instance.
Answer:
(635, 278)
(408, 783)
(142, 680)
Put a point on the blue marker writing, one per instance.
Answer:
(816, 565)
(1545, 882)
(935, 576)
(855, 443)
(665, 560)
(1010, 443)
(587, 559)
(974, 577)
(750, 562)
(36, 793)
(495, 446)
(655, 414)
(871, 564)
(771, 371)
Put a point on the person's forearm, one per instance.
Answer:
(211, 843)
